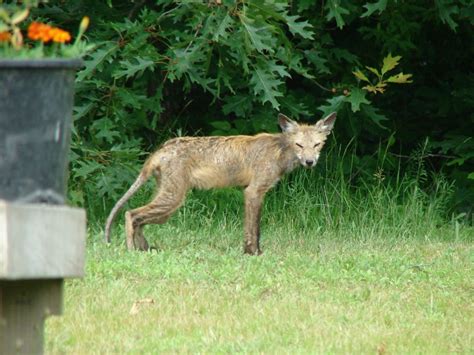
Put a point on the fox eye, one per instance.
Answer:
(299, 145)
(316, 145)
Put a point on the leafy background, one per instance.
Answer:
(400, 75)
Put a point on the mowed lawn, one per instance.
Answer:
(313, 290)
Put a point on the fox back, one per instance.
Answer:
(209, 162)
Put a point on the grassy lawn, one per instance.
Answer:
(373, 269)
(309, 292)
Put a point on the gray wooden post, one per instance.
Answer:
(40, 246)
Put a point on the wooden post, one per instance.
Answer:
(24, 306)
(40, 245)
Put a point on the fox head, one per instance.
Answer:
(307, 140)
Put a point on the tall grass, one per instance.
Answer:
(340, 196)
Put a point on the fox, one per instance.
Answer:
(255, 163)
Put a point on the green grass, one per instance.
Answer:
(366, 267)
(305, 294)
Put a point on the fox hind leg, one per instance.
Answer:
(158, 211)
(134, 234)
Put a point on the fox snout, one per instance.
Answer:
(308, 162)
(307, 157)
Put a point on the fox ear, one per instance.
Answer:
(286, 124)
(327, 123)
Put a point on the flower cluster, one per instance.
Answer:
(15, 41)
(5, 36)
(41, 32)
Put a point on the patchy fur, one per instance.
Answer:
(253, 162)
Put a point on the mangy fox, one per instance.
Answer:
(255, 163)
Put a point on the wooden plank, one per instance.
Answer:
(39, 241)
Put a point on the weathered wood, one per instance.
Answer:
(24, 306)
(40, 241)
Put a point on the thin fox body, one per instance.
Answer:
(253, 162)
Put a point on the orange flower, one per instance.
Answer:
(45, 33)
(5, 36)
(39, 32)
(59, 35)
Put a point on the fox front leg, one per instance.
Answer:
(253, 208)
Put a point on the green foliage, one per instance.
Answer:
(336, 11)
(378, 6)
(389, 63)
(168, 68)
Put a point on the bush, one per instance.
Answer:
(163, 68)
